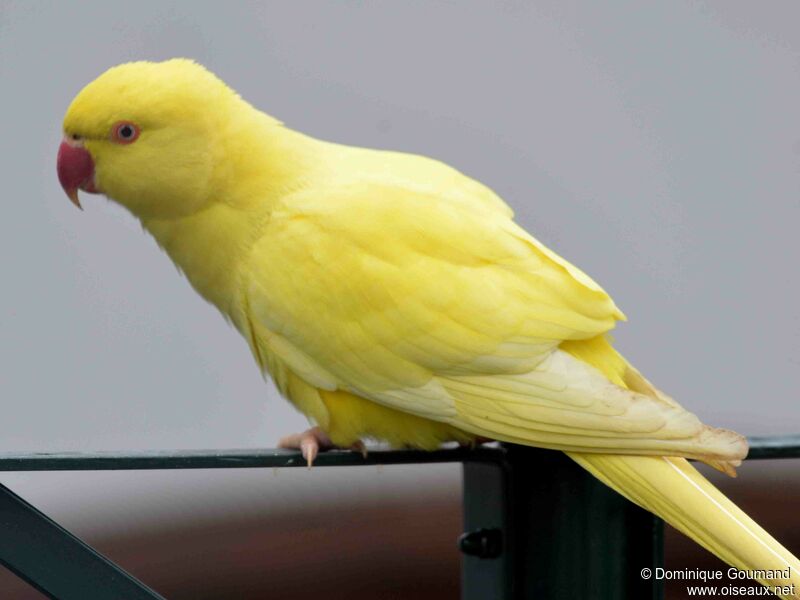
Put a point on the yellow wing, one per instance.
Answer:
(451, 312)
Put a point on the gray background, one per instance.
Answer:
(655, 145)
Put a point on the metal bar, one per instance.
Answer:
(56, 562)
(234, 459)
(564, 534)
(760, 448)
(779, 446)
(486, 501)
(573, 536)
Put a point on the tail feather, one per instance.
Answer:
(674, 490)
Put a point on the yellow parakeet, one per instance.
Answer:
(390, 296)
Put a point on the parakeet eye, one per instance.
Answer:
(124, 132)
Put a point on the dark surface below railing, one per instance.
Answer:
(519, 530)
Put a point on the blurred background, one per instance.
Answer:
(656, 145)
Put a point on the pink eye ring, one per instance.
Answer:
(124, 132)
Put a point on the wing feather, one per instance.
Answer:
(451, 314)
(412, 287)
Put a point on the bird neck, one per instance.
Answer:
(208, 247)
(259, 163)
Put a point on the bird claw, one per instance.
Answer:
(309, 442)
(360, 447)
(312, 441)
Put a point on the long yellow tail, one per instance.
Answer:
(675, 491)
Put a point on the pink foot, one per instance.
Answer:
(312, 441)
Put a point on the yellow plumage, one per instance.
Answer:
(390, 296)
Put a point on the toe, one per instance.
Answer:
(312, 441)
(290, 442)
(309, 447)
(360, 447)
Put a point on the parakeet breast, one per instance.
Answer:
(209, 247)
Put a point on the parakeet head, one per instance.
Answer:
(144, 134)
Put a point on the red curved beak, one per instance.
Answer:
(75, 170)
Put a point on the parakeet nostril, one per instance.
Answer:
(75, 170)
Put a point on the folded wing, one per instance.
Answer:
(450, 312)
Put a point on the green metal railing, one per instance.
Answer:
(528, 515)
